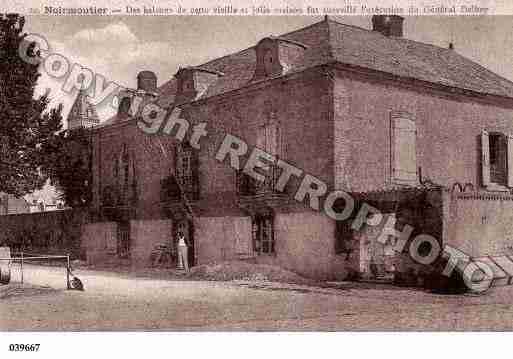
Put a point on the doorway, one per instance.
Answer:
(377, 257)
(187, 228)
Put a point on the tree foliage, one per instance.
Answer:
(68, 165)
(26, 123)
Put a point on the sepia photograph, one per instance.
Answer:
(318, 171)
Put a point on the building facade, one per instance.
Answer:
(364, 111)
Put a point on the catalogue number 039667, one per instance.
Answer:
(24, 347)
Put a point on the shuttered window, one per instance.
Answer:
(510, 160)
(269, 140)
(496, 159)
(403, 141)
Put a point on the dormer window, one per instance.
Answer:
(275, 56)
(268, 62)
(192, 82)
(124, 107)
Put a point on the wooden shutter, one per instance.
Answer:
(404, 156)
(485, 158)
(510, 160)
(195, 173)
(272, 139)
(261, 138)
(243, 240)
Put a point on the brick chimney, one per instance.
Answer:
(388, 25)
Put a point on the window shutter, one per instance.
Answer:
(243, 236)
(510, 160)
(485, 158)
(404, 156)
(261, 137)
(272, 139)
(195, 173)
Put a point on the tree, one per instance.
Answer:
(68, 164)
(26, 124)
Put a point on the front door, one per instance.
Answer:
(186, 227)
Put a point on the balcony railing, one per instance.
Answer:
(248, 186)
(171, 191)
(112, 196)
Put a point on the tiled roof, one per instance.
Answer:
(330, 41)
(239, 68)
(411, 59)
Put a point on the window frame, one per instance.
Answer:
(487, 180)
(260, 223)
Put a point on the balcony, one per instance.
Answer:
(170, 190)
(258, 196)
(118, 204)
(171, 198)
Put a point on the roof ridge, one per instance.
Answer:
(222, 57)
(408, 40)
(330, 19)
(251, 47)
(303, 28)
(399, 38)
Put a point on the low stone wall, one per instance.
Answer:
(480, 223)
(305, 244)
(219, 239)
(99, 241)
(54, 232)
(144, 236)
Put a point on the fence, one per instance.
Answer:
(22, 258)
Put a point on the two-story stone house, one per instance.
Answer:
(365, 111)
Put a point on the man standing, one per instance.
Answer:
(183, 251)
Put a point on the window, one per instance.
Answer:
(269, 140)
(123, 239)
(187, 170)
(115, 165)
(124, 106)
(125, 167)
(263, 234)
(246, 185)
(268, 62)
(343, 237)
(497, 159)
(403, 143)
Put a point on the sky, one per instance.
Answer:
(118, 47)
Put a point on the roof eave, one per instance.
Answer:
(449, 90)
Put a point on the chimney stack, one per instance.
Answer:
(388, 25)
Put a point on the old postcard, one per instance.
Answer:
(296, 166)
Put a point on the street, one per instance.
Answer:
(121, 302)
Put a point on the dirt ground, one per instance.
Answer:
(125, 301)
